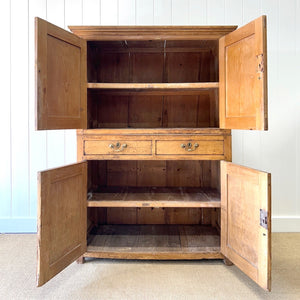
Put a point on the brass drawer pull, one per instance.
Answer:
(118, 147)
(189, 147)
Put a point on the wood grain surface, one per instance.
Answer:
(243, 77)
(244, 192)
(61, 219)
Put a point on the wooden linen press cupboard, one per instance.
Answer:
(154, 107)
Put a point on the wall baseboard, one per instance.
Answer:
(18, 225)
(28, 225)
(286, 224)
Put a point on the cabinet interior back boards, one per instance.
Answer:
(153, 107)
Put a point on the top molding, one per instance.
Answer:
(115, 33)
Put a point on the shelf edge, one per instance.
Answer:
(155, 86)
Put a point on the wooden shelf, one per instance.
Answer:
(154, 197)
(154, 242)
(188, 86)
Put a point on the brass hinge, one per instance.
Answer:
(263, 218)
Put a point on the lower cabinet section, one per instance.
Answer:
(153, 209)
(154, 242)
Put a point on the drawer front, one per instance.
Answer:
(118, 147)
(186, 147)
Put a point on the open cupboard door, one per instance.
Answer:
(61, 95)
(246, 221)
(62, 215)
(243, 77)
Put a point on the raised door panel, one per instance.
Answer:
(62, 220)
(245, 228)
(61, 87)
(243, 77)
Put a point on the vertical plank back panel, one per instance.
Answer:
(145, 111)
(152, 174)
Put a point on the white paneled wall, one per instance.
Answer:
(25, 151)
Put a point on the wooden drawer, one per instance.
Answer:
(118, 147)
(190, 147)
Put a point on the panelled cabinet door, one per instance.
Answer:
(246, 221)
(61, 93)
(243, 77)
(62, 220)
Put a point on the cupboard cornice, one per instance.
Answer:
(115, 33)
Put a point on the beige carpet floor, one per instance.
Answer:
(112, 279)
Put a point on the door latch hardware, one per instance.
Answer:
(260, 65)
(263, 218)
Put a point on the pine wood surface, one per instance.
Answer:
(154, 197)
(155, 131)
(243, 77)
(193, 86)
(153, 173)
(154, 242)
(127, 147)
(244, 241)
(116, 33)
(154, 215)
(152, 110)
(149, 147)
(147, 174)
(211, 147)
(61, 219)
(171, 62)
(129, 61)
(182, 91)
(155, 86)
(61, 94)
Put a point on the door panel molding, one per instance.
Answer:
(244, 241)
(62, 217)
(243, 77)
(61, 95)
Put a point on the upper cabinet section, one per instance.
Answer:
(153, 84)
(151, 76)
(153, 61)
(243, 77)
(60, 78)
